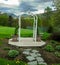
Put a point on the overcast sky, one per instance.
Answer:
(27, 5)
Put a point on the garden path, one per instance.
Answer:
(34, 57)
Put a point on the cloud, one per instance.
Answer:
(10, 2)
(25, 6)
(35, 4)
(41, 1)
(28, 5)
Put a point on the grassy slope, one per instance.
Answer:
(6, 32)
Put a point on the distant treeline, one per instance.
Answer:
(6, 20)
(49, 19)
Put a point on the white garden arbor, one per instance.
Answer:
(29, 41)
(34, 25)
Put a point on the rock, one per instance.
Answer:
(32, 63)
(40, 59)
(26, 53)
(30, 58)
(38, 54)
(35, 51)
(33, 54)
(43, 63)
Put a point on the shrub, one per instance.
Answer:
(50, 29)
(6, 48)
(53, 42)
(58, 47)
(45, 36)
(55, 36)
(57, 54)
(49, 48)
(13, 53)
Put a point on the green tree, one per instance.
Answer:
(48, 9)
(48, 13)
(3, 19)
(57, 18)
(57, 3)
(10, 20)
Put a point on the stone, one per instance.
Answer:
(40, 59)
(33, 54)
(30, 58)
(26, 53)
(43, 63)
(38, 54)
(32, 63)
(35, 51)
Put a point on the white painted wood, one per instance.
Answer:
(19, 27)
(36, 20)
(26, 42)
(36, 26)
(34, 29)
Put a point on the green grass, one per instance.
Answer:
(9, 62)
(7, 32)
(26, 33)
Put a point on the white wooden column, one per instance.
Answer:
(34, 29)
(36, 20)
(19, 30)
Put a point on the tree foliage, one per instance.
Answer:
(57, 3)
(6, 20)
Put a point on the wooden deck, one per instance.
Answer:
(26, 42)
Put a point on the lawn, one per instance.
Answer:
(7, 32)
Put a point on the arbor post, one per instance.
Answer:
(35, 28)
(19, 30)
